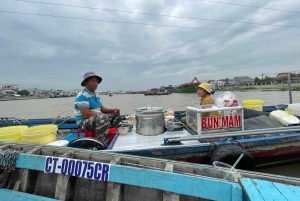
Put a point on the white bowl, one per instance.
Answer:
(123, 130)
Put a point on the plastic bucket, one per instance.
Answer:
(12, 133)
(254, 104)
(42, 134)
(111, 134)
(295, 108)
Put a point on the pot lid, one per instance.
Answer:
(148, 113)
(149, 108)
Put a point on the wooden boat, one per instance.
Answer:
(156, 93)
(41, 172)
(261, 147)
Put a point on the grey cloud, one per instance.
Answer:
(49, 52)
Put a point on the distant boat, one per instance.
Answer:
(110, 94)
(152, 93)
(190, 87)
(187, 87)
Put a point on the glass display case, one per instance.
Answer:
(211, 119)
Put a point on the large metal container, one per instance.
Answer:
(149, 109)
(150, 123)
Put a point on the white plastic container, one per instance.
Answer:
(294, 108)
(283, 117)
(61, 143)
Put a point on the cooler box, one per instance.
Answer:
(254, 104)
(229, 119)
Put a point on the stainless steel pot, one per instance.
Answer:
(149, 108)
(150, 123)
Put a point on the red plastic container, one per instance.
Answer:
(111, 134)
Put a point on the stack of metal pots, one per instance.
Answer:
(150, 120)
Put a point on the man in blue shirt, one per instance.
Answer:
(90, 113)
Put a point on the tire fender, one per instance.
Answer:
(230, 153)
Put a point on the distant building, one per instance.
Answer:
(281, 75)
(295, 79)
(34, 92)
(242, 80)
(220, 83)
(8, 89)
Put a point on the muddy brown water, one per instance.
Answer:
(52, 107)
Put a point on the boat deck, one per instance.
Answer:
(134, 140)
(256, 189)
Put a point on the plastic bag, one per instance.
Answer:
(170, 112)
(227, 99)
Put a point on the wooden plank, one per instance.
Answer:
(291, 193)
(35, 150)
(29, 161)
(64, 187)
(168, 181)
(20, 196)
(113, 192)
(256, 189)
(168, 196)
(250, 189)
(4, 146)
(149, 178)
(268, 190)
(25, 181)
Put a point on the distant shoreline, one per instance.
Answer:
(9, 98)
(270, 87)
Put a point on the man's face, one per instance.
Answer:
(91, 83)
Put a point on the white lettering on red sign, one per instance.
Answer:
(226, 122)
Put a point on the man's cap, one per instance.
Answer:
(88, 75)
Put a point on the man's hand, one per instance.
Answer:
(117, 110)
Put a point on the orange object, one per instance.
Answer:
(87, 133)
(111, 134)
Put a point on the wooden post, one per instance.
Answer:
(113, 192)
(64, 188)
(290, 88)
(167, 196)
(25, 182)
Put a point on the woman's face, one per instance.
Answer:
(201, 92)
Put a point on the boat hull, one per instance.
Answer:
(128, 178)
(266, 150)
(185, 89)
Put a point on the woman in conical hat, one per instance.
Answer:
(203, 91)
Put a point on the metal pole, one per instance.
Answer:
(238, 133)
(290, 88)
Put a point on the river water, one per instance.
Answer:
(52, 107)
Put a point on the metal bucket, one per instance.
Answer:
(150, 123)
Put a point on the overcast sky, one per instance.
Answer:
(54, 52)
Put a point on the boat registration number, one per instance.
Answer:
(77, 168)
